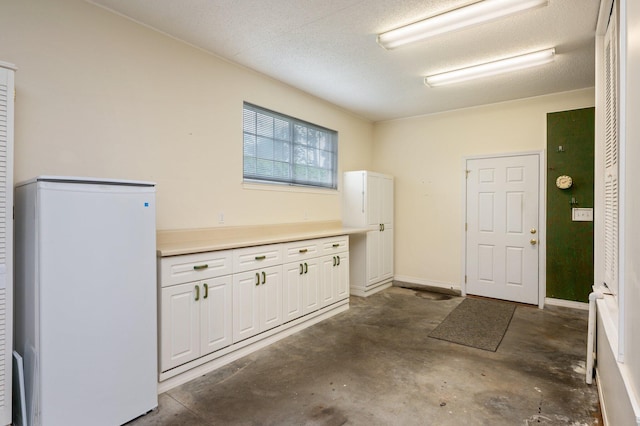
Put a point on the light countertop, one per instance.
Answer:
(188, 241)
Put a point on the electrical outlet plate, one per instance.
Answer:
(582, 214)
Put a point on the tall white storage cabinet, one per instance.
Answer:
(368, 202)
(6, 238)
(86, 299)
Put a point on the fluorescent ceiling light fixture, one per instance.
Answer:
(476, 13)
(491, 68)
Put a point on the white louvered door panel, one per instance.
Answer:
(6, 238)
(611, 160)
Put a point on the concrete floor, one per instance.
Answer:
(376, 365)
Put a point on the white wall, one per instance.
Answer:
(425, 156)
(98, 95)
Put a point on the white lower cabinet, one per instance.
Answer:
(257, 302)
(341, 277)
(335, 278)
(379, 254)
(195, 320)
(216, 300)
(215, 314)
(301, 288)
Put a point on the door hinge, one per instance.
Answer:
(466, 227)
(466, 174)
(465, 279)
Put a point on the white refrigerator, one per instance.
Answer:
(86, 299)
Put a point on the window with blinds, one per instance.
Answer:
(611, 154)
(284, 150)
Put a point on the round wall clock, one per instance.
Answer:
(564, 182)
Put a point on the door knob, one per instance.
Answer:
(533, 230)
(533, 241)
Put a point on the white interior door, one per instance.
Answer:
(502, 227)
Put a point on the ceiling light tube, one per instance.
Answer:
(476, 13)
(491, 68)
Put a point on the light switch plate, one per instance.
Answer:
(582, 214)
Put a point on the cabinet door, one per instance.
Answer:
(386, 236)
(246, 305)
(374, 202)
(341, 277)
(292, 291)
(179, 325)
(271, 297)
(373, 257)
(215, 314)
(386, 254)
(311, 286)
(327, 292)
(386, 201)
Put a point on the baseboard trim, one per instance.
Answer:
(566, 303)
(428, 283)
(368, 291)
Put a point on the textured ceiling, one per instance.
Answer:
(328, 48)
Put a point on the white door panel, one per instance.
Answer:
(271, 288)
(246, 305)
(180, 325)
(386, 253)
(311, 287)
(292, 282)
(502, 223)
(216, 316)
(386, 189)
(342, 285)
(373, 200)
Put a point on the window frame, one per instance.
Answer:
(280, 133)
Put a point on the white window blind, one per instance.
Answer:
(282, 149)
(611, 154)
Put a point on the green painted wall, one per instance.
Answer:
(569, 243)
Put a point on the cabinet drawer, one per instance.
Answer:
(194, 267)
(300, 250)
(249, 258)
(334, 244)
